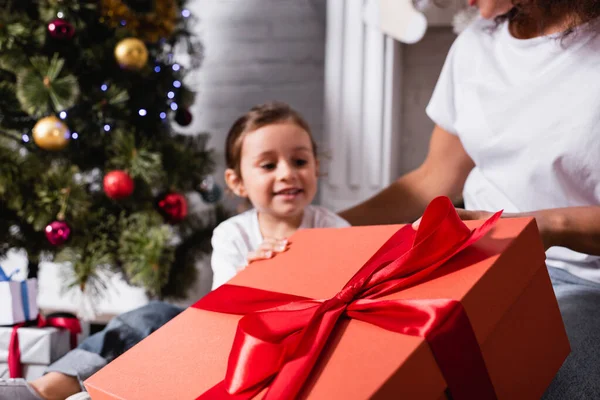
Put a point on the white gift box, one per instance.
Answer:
(39, 348)
(12, 301)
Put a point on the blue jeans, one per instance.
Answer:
(578, 379)
(579, 302)
(121, 334)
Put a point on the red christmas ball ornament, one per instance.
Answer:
(61, 29)
(118, 185)
(57, 232)
(183, 117)
(174, 207)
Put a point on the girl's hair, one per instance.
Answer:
(580, 11)
(257, 117)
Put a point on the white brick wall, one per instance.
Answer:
(257, 51)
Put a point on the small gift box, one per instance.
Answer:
(18, 300)
(38, 348)
(26, 349)
(454, 310)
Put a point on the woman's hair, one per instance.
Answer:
(580, 11)
(257, 117)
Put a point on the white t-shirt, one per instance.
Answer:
(528, 113)
(233, 239)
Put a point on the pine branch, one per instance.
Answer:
(116, 96)
(32, 93)
(195, 234)
(147, 166)
(12, 61)
(86, 265)
(47, 68)
(17, 29)
(145, 252)
(47, 194)
(19, 234)
(92, 249)
(140, 162)
(64, 92)
(40, 92)
(12, 136)
(187, 161)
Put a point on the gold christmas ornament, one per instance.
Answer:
(131, 54)
(150, 25)
(51, 134)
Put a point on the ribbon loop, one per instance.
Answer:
(271, 355)
(270, 336)
(4, 277)
(71, 324)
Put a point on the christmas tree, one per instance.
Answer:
(92, 171)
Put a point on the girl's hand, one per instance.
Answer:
(268, 249)
(541, 219)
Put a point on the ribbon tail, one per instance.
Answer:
(3, 276)
(445, 326)
(219, 392)
(25, 299)
(459, 357)
(291, 378)
(241, 300)
(15, 369)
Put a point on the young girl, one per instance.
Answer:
(272, 162)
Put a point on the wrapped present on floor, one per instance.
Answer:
(454, 310)
(18, 299)
(26, 351)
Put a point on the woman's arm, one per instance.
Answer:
(443, 172)
(576, 228)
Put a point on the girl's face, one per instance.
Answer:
(490, 9)
(278, 170)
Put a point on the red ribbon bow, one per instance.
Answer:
(281, 336)
(15, 369)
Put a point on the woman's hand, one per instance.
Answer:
(542, 219)
(268, 249)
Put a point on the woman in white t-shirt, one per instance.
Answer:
(271, 161)
(517, 114)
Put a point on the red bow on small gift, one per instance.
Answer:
(15, 369)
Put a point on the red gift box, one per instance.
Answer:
(500, 282)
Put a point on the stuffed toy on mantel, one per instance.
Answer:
(404, 21)
(398, 19)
